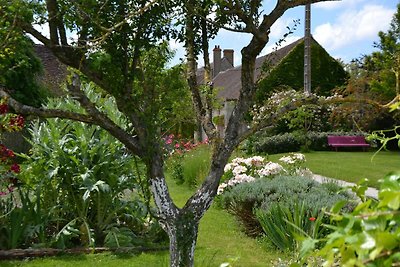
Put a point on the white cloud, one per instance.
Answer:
(336, 4)
(353, 26)
(279, 28)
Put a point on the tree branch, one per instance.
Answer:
(108, 31)
(198, 104)
(26, 110)
(101, 119)
(29, 29)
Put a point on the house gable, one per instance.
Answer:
(284, 67)
(326, 72)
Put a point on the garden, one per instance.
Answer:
(110, 168)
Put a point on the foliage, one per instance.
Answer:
(282, 143)
(82, 179)
(359, 115)
(386, 60)
(384, 137)
(264, 194)
(177, 169)
(177, 112)
(12, 228)
(368, 236)
(121, 47)
(289, 142)
(9, 166)
(19, 66)
(283, 226)
(326, 73)
(190, 165)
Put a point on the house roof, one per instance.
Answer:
(228, 81)
(225, 65)
(54, 72)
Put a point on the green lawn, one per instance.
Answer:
(351, 166)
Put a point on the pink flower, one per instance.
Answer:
(177, 145)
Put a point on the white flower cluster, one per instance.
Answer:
(293, 158)
(238, 179)
(276, 100)
(248, 170)
(271, 168)
(294, 164)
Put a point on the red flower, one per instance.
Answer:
(3, 108)
(10, 153)
(311, 219)
(15, 168)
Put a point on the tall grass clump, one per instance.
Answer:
(190, 167)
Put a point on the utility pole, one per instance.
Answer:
(307, 50)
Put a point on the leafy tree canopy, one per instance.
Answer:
(18, 64)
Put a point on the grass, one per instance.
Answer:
(351, 166)
(220, 240)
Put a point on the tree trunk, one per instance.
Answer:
(183, 236)
(397, 75)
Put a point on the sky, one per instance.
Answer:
(347, 29)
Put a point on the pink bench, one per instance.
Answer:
(347, 141)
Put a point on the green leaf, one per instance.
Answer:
(338, 206)
(307, 246)
(389, 199)
(386, 240)
(369, 242)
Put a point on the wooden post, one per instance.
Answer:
(307, 50)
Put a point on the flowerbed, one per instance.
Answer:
(278, 201)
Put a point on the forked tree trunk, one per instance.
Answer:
(182, 240)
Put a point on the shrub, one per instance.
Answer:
(262, 196)
(289, 142)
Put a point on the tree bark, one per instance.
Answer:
(183, 237)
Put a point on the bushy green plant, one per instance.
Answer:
(264, 195)
(368, 236)
(85, 181)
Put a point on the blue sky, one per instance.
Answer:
(347, 29)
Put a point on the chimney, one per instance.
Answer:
(216, 60)
(228, 54)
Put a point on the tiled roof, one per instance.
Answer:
(228, 82)
(54, 72)
(225, 65)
